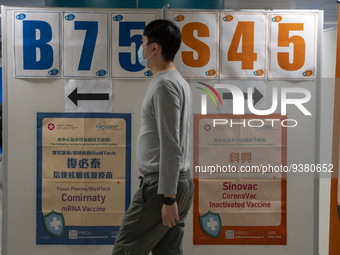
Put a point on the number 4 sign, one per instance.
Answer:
(243, 45)
(292, 46)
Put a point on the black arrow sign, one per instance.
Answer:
(257, 96)
(75, 97)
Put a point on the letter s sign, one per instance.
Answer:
(36, 41)
(198, 56)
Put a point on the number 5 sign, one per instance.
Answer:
(293, 40)
(126, 34)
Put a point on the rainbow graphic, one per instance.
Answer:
(209, 93)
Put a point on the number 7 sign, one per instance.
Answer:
(292, 46)
(85, 44)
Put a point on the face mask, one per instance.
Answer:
(143, 61)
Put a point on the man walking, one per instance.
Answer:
(155, 219)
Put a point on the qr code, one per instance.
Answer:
(229, 234)
(73, 234)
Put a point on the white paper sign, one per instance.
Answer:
(85, 41)
(126, 38)
(198, 55)
(293, 39)
(88, 95)
(36, 44)
(243, 45)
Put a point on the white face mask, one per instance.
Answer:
(143, 61)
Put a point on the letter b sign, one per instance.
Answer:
(37, 40)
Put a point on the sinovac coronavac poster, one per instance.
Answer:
(240, 185)
(83, 176)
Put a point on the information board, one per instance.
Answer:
(83, 177)
(240, 192)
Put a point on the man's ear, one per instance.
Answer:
(156, 48)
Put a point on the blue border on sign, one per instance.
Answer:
(107, 234)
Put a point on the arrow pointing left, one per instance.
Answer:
(75, 96)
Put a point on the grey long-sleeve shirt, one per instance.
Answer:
(164, 138)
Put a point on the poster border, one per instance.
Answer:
(104, 229)
(196, 214)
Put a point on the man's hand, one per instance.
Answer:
(170, 215)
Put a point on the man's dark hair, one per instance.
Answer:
(166, 34)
